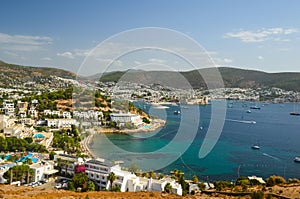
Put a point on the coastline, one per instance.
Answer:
(87, 141)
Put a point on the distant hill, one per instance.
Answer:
(11, 74)
(232, 77)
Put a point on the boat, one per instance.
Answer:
(297, 159)
(254, 107)
(176, 112)
(255, 146)
(295, 113)
(248, 111)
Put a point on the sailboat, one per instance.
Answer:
(295, 112)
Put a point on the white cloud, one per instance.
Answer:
(155, 60)
(46, 59)
(23, 42)
(74, 53)
(227, 60)
(137, 63)
(260, 57)
(66, 54)
(262, 35)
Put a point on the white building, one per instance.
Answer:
(126, 117)
(98, 171)
(8, 108)
(61, 123)
(42, 170)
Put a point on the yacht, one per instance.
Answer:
(254, 107)
(255, 146)
(295, 113)
(248, 111)
(297, 159)
(176, 112)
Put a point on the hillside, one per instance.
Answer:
(11, 74)
(232, 77)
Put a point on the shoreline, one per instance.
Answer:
(87, 141)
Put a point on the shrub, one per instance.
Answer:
(257, 195)
(275, 180)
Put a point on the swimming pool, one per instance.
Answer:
(38, 135)
(146, 127)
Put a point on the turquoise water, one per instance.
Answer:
(146, 127)
(275, 130)
(38, 135)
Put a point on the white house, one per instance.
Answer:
(43, 170)
(61, 123)
(126, 117)
(8, 107)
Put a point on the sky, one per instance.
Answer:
(95, 35)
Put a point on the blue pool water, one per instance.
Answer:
(38, 135)
(146, 127)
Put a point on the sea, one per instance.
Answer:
(177, 144)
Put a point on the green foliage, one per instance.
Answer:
(221, 185)
(257, 195)
(201, 186)
(90, 186)
(168, 188)
(19, 173)
(146, 120)
(111, 178)
(80, 180)
(29, 140)
(17, 144)
(51, 155)
(67, 141)
(133, 168)
(275, 180)
(116, 189)
(195, 179)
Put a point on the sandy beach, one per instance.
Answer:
(86, 142)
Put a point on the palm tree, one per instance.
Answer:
(111, 179)
(151, 174)
(168, 188)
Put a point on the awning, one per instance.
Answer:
(52, 171)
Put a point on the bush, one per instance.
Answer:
(275, 180)
(257, 195)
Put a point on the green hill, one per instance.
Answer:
(11, 74)
(232, 77)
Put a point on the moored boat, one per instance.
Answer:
(255, 146)
(297, 159)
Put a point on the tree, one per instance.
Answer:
(151, 174)
(111, 179)
(90, 186)
(80, 180)
(51, 155)
(168, 188)
(18, 173)
(274, 180)
(195, 179)
(133, 168)
(3, 144)
(257, 195)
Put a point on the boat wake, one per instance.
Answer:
(265, 154)
(242, 121)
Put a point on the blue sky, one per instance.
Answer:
(252, 34)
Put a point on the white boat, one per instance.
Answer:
(176, 112)
(255, 146)
(248, 111)
(297, 159)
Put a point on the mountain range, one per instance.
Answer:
(232, 77)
